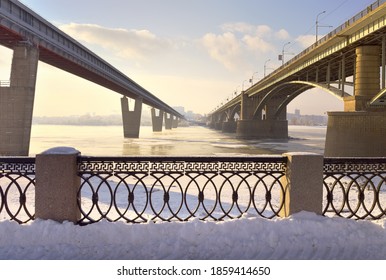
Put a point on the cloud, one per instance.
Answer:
(131, 44)
(224, 48)
(263, 30)
(282, 34)
(256, 43)
(305, 40)
(241, 44)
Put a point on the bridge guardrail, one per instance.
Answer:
(341, 27)
(179, 188)
(17, 189)
(143, 189)
(355, 187)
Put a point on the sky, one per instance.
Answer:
(190, 53)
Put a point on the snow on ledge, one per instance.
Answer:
(61, 151)
(301, 154)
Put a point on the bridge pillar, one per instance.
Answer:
(157, 121)
(216, 122)
(175, 121)
(268, 126)
(16, 102)
(229, 126)
(367, 78)
(246, 110)
(360, 131)
(211, 121)
(131, 119)
(356, 134)
(168, 121)
(255, 129)
(218, 125)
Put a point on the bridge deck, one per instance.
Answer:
(322, 61)
(18, 24)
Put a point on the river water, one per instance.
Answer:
(183, 141)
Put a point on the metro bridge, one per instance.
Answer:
(350, 59)
(33, 38)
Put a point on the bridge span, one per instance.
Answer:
(349, 63)
(33, 38)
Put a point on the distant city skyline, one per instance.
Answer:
(190, 53)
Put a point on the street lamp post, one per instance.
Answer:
(236, 90)
(243, 84)
(265, 66)
(317, 25)
(251, 79)
(282, 53)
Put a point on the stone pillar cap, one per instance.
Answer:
(61, 151)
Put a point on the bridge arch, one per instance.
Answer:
(223, 116)
(293, 89)
(235, 110)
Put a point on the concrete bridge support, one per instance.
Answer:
(229, 126)
(211, 122)
(175, 122)
(168, 121)
(255, 129)
(366, 78)
(246, 110)
(17, 101)
(360, 131)
(131, 119)
(218, 125)
(356, 134)
(157, 121)
(267, 126)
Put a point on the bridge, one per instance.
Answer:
(33, 38)
(349, 63)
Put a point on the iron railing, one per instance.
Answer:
(355, 187)
(142, 189)
(17, 189)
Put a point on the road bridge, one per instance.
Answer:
(33, 38)
(349, 63)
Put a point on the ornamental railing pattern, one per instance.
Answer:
(355, 187)
(17, 189)
(142, 189)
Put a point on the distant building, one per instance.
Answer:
(180, 109)
(310, 120)
(189, 115)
